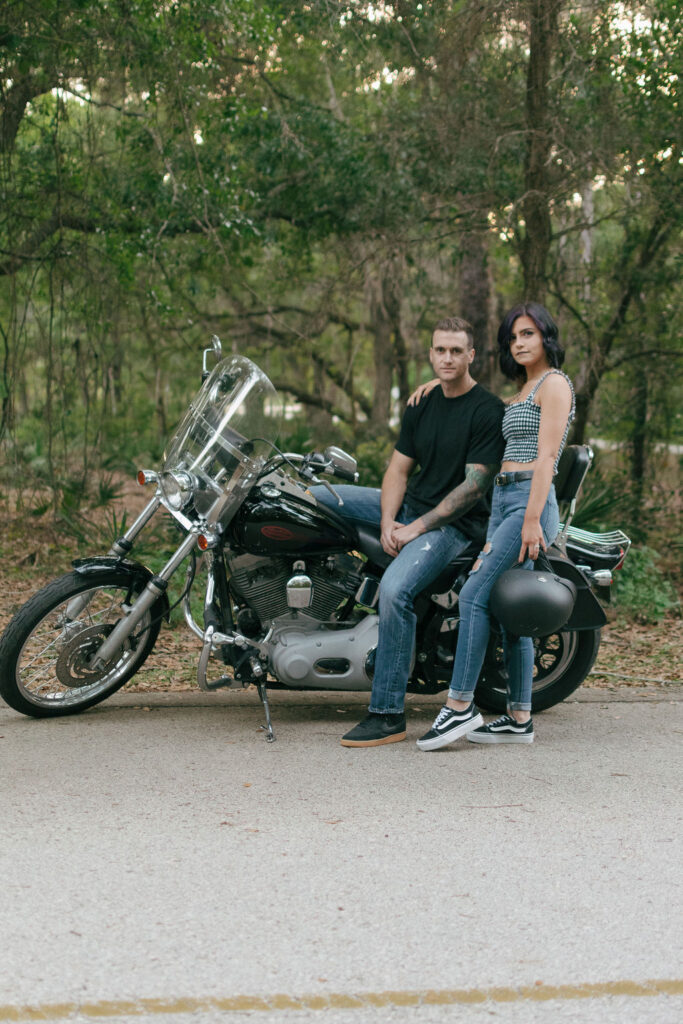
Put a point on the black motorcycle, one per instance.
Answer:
(290, 589)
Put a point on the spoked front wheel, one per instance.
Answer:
(46, 653)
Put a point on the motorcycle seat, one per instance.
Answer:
(370, 545)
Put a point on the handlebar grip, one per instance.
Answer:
(344, 474)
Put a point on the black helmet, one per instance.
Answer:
(531, 603)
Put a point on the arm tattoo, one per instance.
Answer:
(477, 481)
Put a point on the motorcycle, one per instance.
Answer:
(290, 588)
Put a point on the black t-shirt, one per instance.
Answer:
(443, 435)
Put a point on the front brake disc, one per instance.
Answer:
(73, 666)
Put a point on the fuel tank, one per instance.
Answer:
(283, 524)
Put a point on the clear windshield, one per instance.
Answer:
(226, 435)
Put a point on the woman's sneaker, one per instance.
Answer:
(504, 730)
(449, 726)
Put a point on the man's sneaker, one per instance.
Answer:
(375, 730)
(504, 730)
(450, 725)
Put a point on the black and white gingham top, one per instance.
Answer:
(521, 424)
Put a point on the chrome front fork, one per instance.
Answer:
(121, 547)
(152, 592)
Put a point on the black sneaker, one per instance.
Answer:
(450, 725)
(504, 730)
(375, 730)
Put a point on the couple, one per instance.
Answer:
(458, 434)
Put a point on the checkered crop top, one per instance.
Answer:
(521, 424)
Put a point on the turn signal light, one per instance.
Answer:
(207, 540)
(146, 476)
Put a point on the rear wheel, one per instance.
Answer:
(561, 663)
(46, 650)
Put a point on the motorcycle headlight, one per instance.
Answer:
(177, 489)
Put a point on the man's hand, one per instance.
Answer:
(387, 537)
(394, 485)
(403, 535)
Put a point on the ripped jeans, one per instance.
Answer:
(415, 566)
(503, 543)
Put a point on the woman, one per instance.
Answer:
(524, 520)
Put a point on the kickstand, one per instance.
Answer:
(268, 727)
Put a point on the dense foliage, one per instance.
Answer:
(318, 183)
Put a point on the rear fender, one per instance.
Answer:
(136, 572)
(588, 612)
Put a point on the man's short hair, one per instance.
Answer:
(455, 324)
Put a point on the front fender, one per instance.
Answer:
(136, 573)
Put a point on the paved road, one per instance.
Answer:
(161, 862)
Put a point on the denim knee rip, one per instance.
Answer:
(486, 550)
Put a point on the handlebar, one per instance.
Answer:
(309, 466)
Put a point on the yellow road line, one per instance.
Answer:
(340, 1000)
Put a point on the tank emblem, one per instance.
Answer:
(277, 533)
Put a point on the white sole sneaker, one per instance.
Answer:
(435, 742)
(499, 737)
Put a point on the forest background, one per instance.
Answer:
(318, 183)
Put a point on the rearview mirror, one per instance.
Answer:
(343, 464)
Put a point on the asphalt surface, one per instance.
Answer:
(161, 862)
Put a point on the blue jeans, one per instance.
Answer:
(504, 537)
(415, 566)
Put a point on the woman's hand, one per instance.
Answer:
(424, 389)
(533, 540)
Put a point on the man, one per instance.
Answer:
(426, 517)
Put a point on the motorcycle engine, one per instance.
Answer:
(310, 648)
(261, 582)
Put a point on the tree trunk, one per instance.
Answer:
(318, 416)
(588, 209)
(383, 286)
(639, 445)
(6, 388)
(160, 402)
(476, 305)
(16, 99)
(535, 246)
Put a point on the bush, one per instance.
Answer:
(373, 459)
(643, 591)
